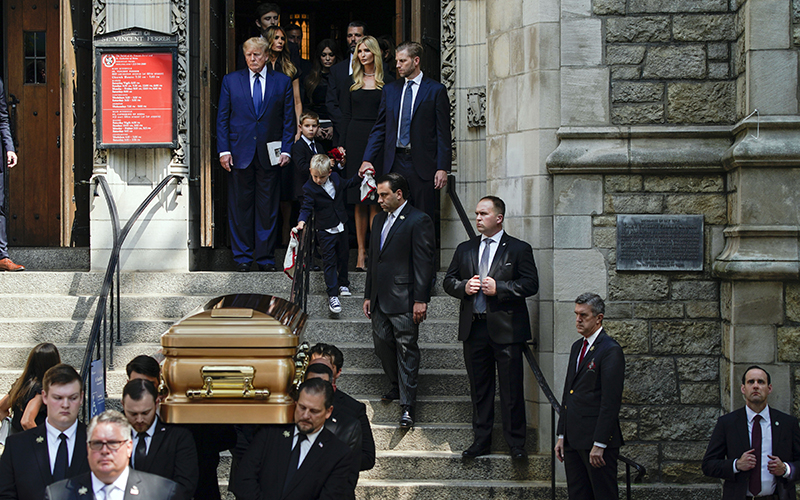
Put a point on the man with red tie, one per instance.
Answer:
(755, 449)
(589, 435)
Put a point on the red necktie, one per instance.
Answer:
(755, 472)
(583, 351)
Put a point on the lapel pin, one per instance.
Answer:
(286, 434)
(402, 217)
(40, 439)
(82, 490)
(777, 423)
(320, 445)
(134, 490)
(591, 349)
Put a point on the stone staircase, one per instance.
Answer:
(421, 463)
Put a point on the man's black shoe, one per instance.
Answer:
(393, 394)
(267, 268)
(518, 453)
(243, 268)
(407, 418)
(476, 450)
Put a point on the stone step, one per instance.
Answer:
(449, 437)
(157, 283)
(333, 331)
(446, 466)
(430, 409)
(376, 489)
(359, 356)
(138, 307)
(432, 382)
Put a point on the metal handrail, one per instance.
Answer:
(302, 265)
(555, 406)
(100, 318)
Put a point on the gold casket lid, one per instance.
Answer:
(240, 320)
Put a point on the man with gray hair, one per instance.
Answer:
(111, 478)
(589, 434)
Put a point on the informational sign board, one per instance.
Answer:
(659, 242)
(97, 390)
(136, 89)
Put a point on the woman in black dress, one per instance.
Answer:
(316, 86)
(25, 396)
(359, 112)
(280, 60)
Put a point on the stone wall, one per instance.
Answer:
(671, 61)
(668, 324)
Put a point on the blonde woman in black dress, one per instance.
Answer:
(359, 112)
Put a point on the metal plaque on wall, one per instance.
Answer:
(659, 242)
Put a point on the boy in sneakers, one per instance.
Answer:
(324, 193)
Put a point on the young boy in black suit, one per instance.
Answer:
(324, 193)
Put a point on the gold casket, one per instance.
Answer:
(235, 360)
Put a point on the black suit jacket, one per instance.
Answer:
(731, 439)
(301, 158)
(347, 429)
(359, 409)
(5, 128)
(25, 464)
(173, 455)
(431, 149)
(338, 79)
(145, 487)
(400, 274)
(593, 395)
(324, 474)
(514, 271)
(329, 211)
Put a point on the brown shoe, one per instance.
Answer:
(8, 265)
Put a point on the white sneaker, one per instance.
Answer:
(334, 305)
(344, 291)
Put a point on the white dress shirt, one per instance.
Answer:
(117, 489)
(53, 442)
(263, 74)
(414, 91)
(331, 190)
(767, 479)
(306, 445)
(135, 435)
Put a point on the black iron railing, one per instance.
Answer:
(555, 407)
(102, 335)
(302, 265)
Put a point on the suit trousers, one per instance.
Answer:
(585, 482)
(253, 200)
(423, 195)
(481, 355)
(395, 338)
(3, 234)
(335, 251)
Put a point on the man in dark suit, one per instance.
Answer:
(342, 400)
(41, 456)
(755, 449)
(6, 264)
(300, 461)
(165, 450)
(492, 275)
(110, 449)
(589, 434)
(342, 422)
(256, 107)
(340, 78)
(398, 288)
(412, 130)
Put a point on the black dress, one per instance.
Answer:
(359, 112)
(19, 409)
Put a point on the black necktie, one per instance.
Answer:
(141, 451)
(313, 148)
(294, 460)
(755, 472)
(62, 459)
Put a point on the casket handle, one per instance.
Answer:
(230, 381)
